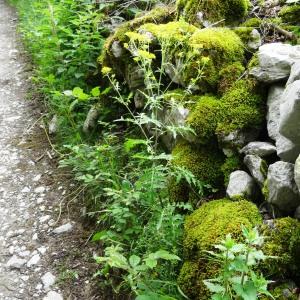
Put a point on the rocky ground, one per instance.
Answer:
(37, 247)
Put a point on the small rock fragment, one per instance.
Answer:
(15, 262)
(63, 228)
(53, 296)
(260, 149)
(48, 280)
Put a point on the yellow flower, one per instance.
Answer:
(133, 36)
(106, 70)
(146, 55)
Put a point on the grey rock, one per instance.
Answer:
(63, 228)
(295, 73)
(297, 172)
(48, 280)
(255, 40)
(116, 49)
(286, 149)
(90, 122)
(134, 77)
(34, 260)
(241, 184)
(257, 167)
(175, 71)
(275, 61)
(237, 139)
(140, 99)
(52, 295)
(282, 189)
(273, 112)
(261, 149)
(53, 125)
(16, 262)
(290, 113)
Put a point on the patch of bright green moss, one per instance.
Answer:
(244, 33)
(214, 10)
(229, 75)
(290, 14)
(204, 118)
(203, 161)
(243, 108)
(230, 165)
(253, 22)
(283, 241)
(202, 230)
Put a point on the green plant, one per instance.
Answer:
(238, 278)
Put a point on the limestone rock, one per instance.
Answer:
(15, 262)
(282, 190)
(275, 61)
(63, 228)
(34, 260)
(53, 125)
(261, 149)
(273, 113)
(116, 49)
(90, 122)
(48, 280)
(286, 149)
(295, 73)
(53, 296)
(297, 172)
(241, 184)
(255, 40)
(290, 113)
(257, 167)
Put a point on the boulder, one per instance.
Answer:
(257, 167)
(275, 62)
(281, 189)
(273, 112)
(295, 73)
(297, 213)
(297, 172)
(255, 40)
(286, 149)
(241, 184)
(260, 149)
(290, 113)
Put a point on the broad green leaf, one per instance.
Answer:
(78, 93)
(247, 291)
(132, 143)
(134, 260)
(95, 92)
(213, 287)
(150, 262)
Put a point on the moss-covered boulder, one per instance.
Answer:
(231, 11)
(244, 108)
(282, 240)
(204, 228)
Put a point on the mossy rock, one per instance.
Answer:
(230, 165)
(232, 11)
(244, 34)
(158, 15)
(282, 240)
(252, 22)
(244, 108)
(280, 293)
(290, 14)
(203, 161)
(204, 228)
(204, 118)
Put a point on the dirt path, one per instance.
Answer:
(28, 194)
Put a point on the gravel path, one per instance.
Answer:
(28, 196)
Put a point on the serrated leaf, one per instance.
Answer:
(95, 92)
(213, 287)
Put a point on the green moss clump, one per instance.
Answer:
(161, 14)
(290, 14)
(203, 161)
(173, 31)
(204, 117)
(283, 241)
(278, 293)
(253, 22)
(214, 10)
(211, 49)
(204, 228)
(231, 164)
(229, 75)
(243, 106)
(244, 33)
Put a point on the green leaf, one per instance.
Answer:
(247, 291)
(79, 94)
(163, 254)
(134, 260)
(132, 143)
(150, 262)
(95, 92)
(213, 287)
(99, 236)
